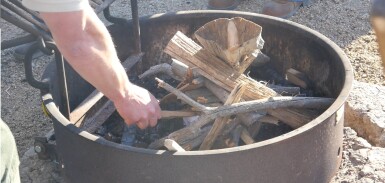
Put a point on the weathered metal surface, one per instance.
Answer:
(311, 153)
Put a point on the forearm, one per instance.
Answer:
(86, 44)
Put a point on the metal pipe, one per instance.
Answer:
(22, 25)
(61, 73)
(136, 26)
(33, 13)
(17, 41)
(24, 15)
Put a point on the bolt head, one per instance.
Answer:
(38, 149)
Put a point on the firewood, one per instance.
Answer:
(171, 145)
(234, 39)
(214, 69)
(298, 78)
(177, 114)
(293, 117)
(261, 60)
(185, 134)
(250, 118)
(161, 68)
(246, 137)
(219, 123)
(269, 119)
(203, 96)
(78, 114)
(182, 96)
(194, 143)
(254, 129)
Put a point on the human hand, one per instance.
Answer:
(139, 107)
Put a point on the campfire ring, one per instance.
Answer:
(311, 153)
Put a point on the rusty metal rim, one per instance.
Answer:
(334, 108)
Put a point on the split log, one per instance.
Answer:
(186, 50)
(171, 145)
(246, 137)
(269, 119)
(219, 123)
(298, 78)
(185, 134)
(78, 114)
(236, 42)
(177, 114)
(295, 118)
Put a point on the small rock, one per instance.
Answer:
(366, 180)
(360, 143)
(12, 64)
(367, 170)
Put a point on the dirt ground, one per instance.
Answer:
(346, 22)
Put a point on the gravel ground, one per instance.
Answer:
(346, 22)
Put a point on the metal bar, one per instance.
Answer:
(136, 27)
(33, 13)
(64, 102)
(104, 5)
(24, 15)
(17, 41)
(22, 25)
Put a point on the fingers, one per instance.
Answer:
(143, 124)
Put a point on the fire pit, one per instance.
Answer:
(311, 153)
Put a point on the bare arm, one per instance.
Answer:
(87, 45)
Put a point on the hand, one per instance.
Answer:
(139, 107)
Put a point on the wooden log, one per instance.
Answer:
(195, 142)
(298, 78)
(184, 49)
(231, 39)
(295, 118)
(261, 60)
(163, 68)
(177, 114)
(246, 137)
(77, 115)
(219, 123)
(269, 119)
(171, 145)
(254, 129)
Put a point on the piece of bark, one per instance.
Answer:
(295, 118)
(219, 123)
(184, 49)
(298, 78)
(78, 114)
(185, 134)
(171, 145)
(93, 122)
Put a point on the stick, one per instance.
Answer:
(182, 96)
(177, 114)
(219, 123)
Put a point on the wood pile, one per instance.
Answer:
(221, 105)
